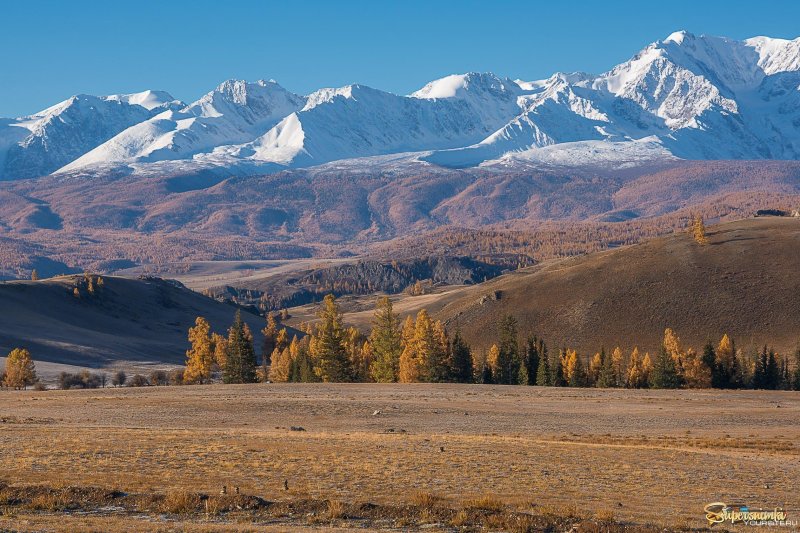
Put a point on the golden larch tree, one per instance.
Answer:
(696, 373)
(200, 356)
(699, 230)
(595, 367)
(281, 366)
(493, 359)
(647, 367)
(618, 365)
(635, 377)
(220, 344)
(20, 369)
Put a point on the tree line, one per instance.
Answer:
(421, 350)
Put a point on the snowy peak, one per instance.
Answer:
(776, 55)
(62, 133)
(147, 99)
(688, 95)
(252, 101)
(464, 85)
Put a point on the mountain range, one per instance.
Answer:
(686, 97)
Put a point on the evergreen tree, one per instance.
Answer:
(240, 356)
(460, 359)
(773, 375)
(796, 374)
(759, 380)
(531, 360)
(785, 379)
(709, 359)
(200, 356)
(507, 370)
(20, 369)
(486, 375)
(608, 377)
(543, 374)
(664, 374)
(725, 366)
(327, 346)
(558, 379)
(386, 342)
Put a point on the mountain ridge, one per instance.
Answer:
(697, 97)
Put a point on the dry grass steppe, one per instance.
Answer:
(639, 456)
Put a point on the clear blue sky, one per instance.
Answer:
(50, 50)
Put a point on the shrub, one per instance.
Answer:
(176, 377)
(422, 498)
(81, 380)
(485, 503)
(180, 502)
(159, 377)
(119, 379)
(139, 381)
(335, 510)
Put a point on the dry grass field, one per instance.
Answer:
(424, 456)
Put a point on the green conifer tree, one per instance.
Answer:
(607, 376)
(664, 374)
(796, 374)
(543, 374)
(532, 359)
(327, 348)
(386, 342)
(773, 375)
(461, 359)
(507, 363)
(240, 357)
(557, 368)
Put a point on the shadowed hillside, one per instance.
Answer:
(124, 320)
(745, 282)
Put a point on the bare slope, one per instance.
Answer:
(127, 321)
(745, 283)
(60, 225)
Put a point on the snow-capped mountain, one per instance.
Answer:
(46, 141)
(687, 96)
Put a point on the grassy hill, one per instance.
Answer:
(127, 322)
(745, 282)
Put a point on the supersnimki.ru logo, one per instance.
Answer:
(719, 512)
